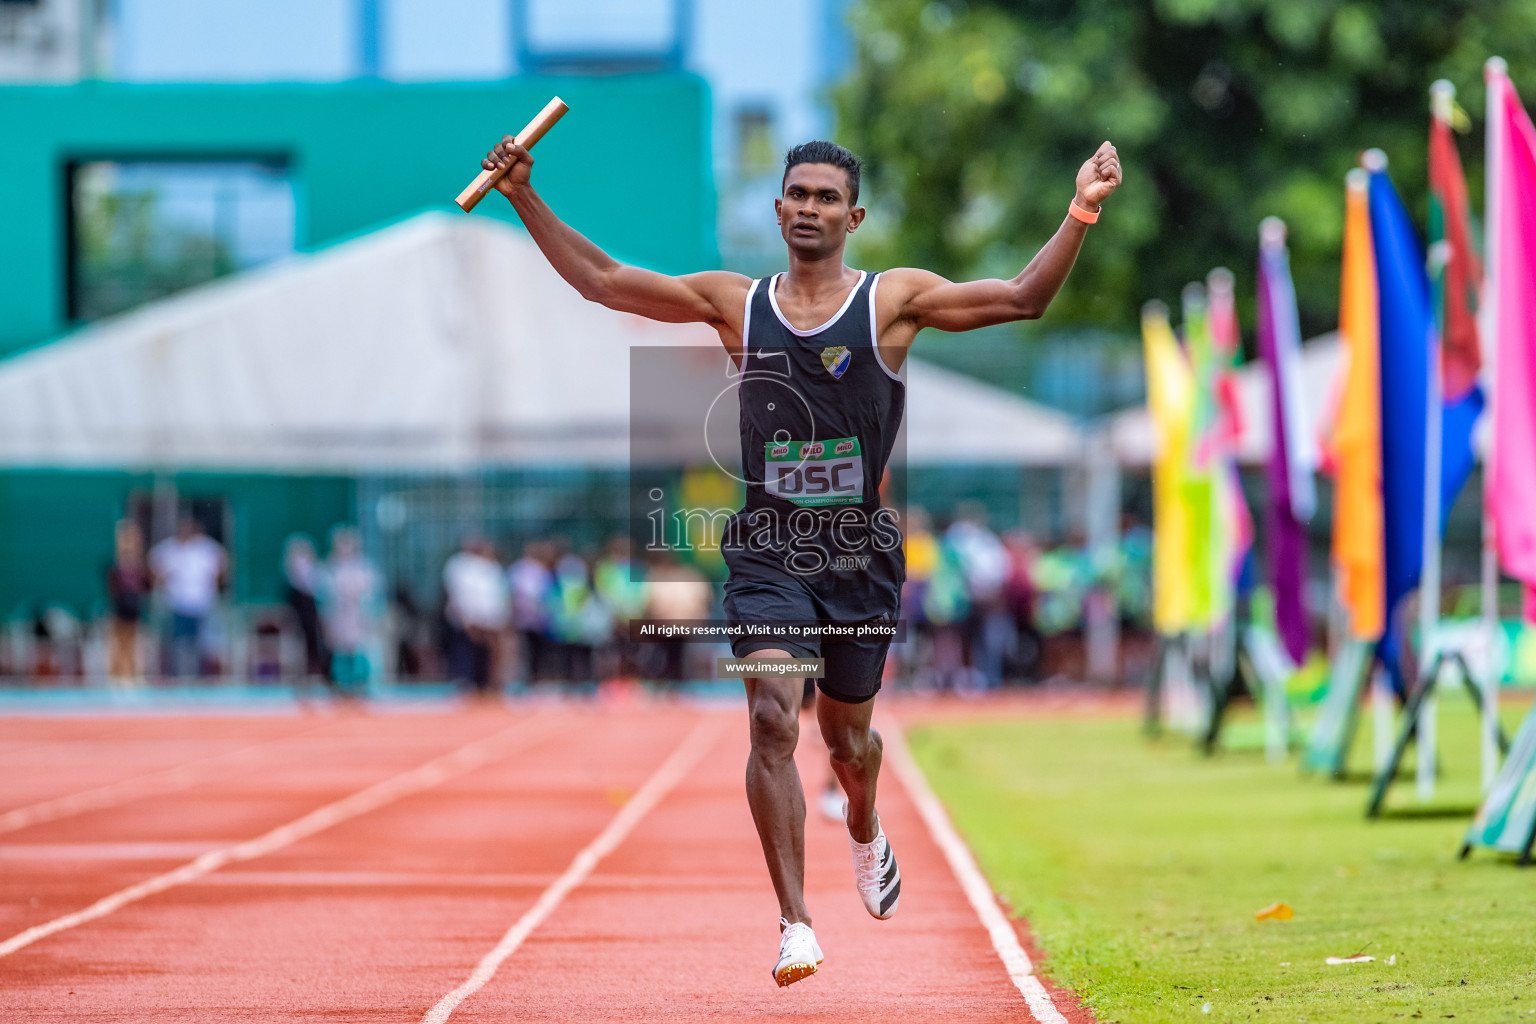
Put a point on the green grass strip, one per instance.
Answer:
(1140, 864)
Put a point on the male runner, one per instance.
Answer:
(813, 458)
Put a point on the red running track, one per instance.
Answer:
(260, 886)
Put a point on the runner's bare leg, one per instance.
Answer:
(773, 785)
(829, 785)
(856, 751)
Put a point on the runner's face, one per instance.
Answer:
(815, 215)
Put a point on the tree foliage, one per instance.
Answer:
(973, 119)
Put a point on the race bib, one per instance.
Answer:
(827, 472)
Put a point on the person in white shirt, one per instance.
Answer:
(351, 600)
(533, 586)
(190, 570)
(478, 606)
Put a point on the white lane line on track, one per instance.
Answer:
(423, 777)
(167, 780)
(1004, 939)
(383, 880)
(672, 771)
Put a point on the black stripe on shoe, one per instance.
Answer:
(890, 897)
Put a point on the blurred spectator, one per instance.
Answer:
(1019, 597)
(676, 590)
(58, 643)
(532, 580)
(581, 622)
(190, 569)
(351, 596)
(412, 630)
(985, 565)
(1133, 592)
(128, 588)
(921, 551)
(477, 610)
(1063, 576)
(620, 585)
(300, 576)
(942, 611)
(46, 660)
(983, 558)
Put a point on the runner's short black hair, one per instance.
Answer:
(823, 152)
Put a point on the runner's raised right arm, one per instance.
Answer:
(710, 297)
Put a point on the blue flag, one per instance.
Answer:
(1407, 318)
(1457, 458)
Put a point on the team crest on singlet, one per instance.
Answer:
(836, 359)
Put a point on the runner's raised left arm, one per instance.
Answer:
(928, 300)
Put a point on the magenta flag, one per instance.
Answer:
(1511, 281)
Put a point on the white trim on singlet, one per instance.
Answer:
(874, 333)
(746, 329)
(773, 300)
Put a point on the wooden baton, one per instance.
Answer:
(553, 111)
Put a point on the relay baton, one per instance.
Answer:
(553, 111)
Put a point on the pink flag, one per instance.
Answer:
(1511, 489)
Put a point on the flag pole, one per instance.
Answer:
(1494, 72)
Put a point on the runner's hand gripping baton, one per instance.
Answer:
(553, 111)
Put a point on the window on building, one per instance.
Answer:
(600, 35)
(756, 152)
(142, 230)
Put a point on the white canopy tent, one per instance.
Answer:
(438, 343)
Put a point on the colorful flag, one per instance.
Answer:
(1293, 458)
(1169, 393)
(1226, 341)
(1456, 277)
(1510, 492)
(1227, 344)
(1205, 478)
(1457, 269)
(1357, 517)
(1405, 323)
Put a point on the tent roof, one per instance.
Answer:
(439, 342)
(955, 419)
(1132, 438)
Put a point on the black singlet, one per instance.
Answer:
(819, 409)
(820, 413)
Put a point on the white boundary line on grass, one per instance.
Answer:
(672, 771)
(440, 769)
(1021, 970)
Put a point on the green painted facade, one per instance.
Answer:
(56, 529)
(629, 165)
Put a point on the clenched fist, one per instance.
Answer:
(1098, 178)
(507, 151)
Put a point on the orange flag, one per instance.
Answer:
(1358, 548)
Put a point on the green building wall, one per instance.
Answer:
(56, 529)
(629, 165)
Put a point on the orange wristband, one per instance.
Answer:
(1083, 215)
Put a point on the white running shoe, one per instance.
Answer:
(876, 875)
(799, 956)
(833, 806)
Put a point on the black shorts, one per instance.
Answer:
(761, 589)
(853, 668)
